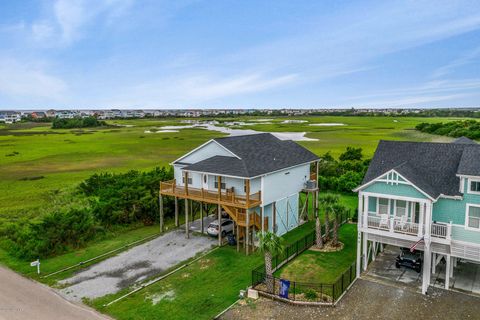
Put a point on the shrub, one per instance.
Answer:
(87, 122)
(52, 234)
(455, 129)
(311, 295)
(127, 197)
(343, 175)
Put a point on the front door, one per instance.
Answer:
(205, 181)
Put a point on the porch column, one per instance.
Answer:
(176, 212)
(427, 264)
(447, 271)
(428, 219)
(248, 231)
(365, 251)
(374, 250)
(187, 234)
(262, 217)
(185, 185)
(359, 252)
(160, 204)
(237, 237)
(360, 210)
(219, 212)
(421, 218)
(434, 263)
(201, 217)
(365, 211)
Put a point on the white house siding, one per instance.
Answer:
(207, 151)
(286, 211)
(284, 183)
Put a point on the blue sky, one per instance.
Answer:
(238, 54)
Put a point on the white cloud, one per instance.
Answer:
(67, 19)
(195, 90)
(21, 80)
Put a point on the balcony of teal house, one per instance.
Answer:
(403, 217)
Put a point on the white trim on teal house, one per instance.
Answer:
(437, 212)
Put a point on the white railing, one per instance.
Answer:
(406, 227)
(397, 225)
(441, 230)
(378, 222)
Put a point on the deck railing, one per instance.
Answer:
(224, 196)
(391, 224)
(441, 230)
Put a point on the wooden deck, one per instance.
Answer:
(222, 197)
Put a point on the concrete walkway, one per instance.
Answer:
(22, 298)
(135, 265)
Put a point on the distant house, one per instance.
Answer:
(254, 179)
(38, 114)
(10, 116)
(424, 195)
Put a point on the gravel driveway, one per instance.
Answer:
(134, 265)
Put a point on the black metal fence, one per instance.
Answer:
(322, 293)
(326, 293)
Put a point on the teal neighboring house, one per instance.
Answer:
(425, 195)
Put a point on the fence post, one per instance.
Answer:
(294, 290)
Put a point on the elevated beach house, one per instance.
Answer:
(422, 195)
(255, 179)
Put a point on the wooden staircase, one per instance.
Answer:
(240, 217)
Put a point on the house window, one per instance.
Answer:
(473, 217)
(189, 180)
(222, 183)
(474, 186)
(382, 206)
(401, 208)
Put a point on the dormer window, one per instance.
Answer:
(474, 186)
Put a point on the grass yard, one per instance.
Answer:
(323, 267)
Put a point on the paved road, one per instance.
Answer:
(22, 298)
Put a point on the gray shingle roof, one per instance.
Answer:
(430, 166)
(259, 154)
(464, 140)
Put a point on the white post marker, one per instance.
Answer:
(36, 263)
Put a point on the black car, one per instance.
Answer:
(412, 260)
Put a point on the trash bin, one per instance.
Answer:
(231, 239)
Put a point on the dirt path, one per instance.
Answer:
(369, 299)
(21, 298)
(134, 265)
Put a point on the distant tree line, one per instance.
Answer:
(455, 129)
(112, 200)
(344, 174)
(77, 122)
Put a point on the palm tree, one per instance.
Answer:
(328, 201)
(337, 209)
(271, 245)
(318, 229)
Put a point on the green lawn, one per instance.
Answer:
(323, 267)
